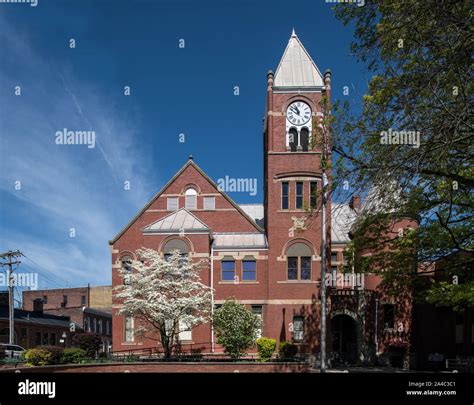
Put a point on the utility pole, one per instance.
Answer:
(324, 125)
(323, 258)
(11, 305)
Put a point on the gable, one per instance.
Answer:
(190, 174)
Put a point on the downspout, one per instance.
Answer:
(212, 299)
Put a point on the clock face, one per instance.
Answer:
(298, 113)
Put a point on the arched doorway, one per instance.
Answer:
(344, 339)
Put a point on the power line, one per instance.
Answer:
(48, 270)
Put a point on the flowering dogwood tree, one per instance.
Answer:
(164, 293)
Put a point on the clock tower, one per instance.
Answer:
(293, 183)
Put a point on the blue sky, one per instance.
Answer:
(174, 90)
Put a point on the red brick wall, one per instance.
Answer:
(29, 341)
(55, 298)
(181, 367)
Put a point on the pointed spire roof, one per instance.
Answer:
(296, 68)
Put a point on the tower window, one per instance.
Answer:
(191, 199)
(313, 194)
(292, 268)
(299, 268)
(284, 195)
(304, 139)
(293, 139)
(299, 262)
(299, 194)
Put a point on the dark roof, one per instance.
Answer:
(36, 318)
(99, 312)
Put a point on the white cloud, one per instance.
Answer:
(67, 186)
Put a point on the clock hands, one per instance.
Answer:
(295, 109)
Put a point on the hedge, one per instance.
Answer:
(265, 347)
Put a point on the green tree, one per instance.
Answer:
(89, 342)
(236, 328)
(412, 142)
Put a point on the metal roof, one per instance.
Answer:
(233, 240)
(179, 221)
(296, 68)
(342, 219)
(254, 211)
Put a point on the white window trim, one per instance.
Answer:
(132, 329)
(209, 203)
(190, 199)
(172, 204)
(185, 332)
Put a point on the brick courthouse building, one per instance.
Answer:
(269, 257)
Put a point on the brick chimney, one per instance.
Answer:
(38, 305)
(355, 203)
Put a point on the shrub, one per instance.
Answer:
(2, 355)
(287, 350)
(56, 353)
(37, 357)
(265, 347)
(73, 355)
(236, 328)
(89, 342)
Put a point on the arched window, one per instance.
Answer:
(190, 199)
(126, 264)
(299, 262)
(293, 139)
(175, 244)
(304, 139)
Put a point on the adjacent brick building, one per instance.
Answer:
(89, 307)
(267, 256)
(34, 327)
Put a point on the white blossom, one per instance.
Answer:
(162, 293)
